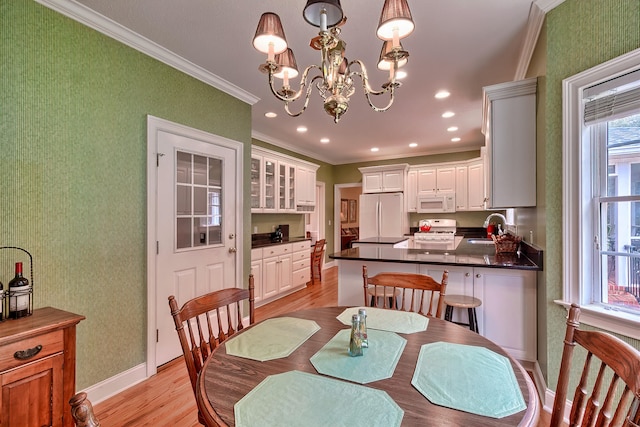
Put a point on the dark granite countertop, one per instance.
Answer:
(466, 254)
(265, 243)
(381, 240)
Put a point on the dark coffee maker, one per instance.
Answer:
(277, 235)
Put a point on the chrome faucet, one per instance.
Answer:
(499, 215)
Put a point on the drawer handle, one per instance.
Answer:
(28, 353)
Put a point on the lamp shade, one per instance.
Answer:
(311, 12)
(287, 61)
(385, 62)
(395, 16)
(270, 31)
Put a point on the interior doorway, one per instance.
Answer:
(315, 221)
(346, 201)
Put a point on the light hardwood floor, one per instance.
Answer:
(166, 399)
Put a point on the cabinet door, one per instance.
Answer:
(32, 394)
(427, 181)
(285, 264)
(446, 179)
(461, 188)
(270, 187)
(291, 189)
(256, 270)
(256, 183)
(372, 182)
(412, 191)
(507, 315)
(270, 277)
(393, 180)
(476, 195)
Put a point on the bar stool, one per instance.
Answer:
(462, 301)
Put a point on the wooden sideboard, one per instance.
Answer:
(38, 368)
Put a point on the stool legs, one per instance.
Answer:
(473, 318)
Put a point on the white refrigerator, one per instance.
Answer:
(382, 215)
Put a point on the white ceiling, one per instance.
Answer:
(458, 45)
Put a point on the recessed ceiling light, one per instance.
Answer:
(325, 140)
(442, 94)
(375, 149)
(448, 114)
(270, 114)
(301, 129)
(401, 74)
(452, 128)
(413, 144)
(456, 139)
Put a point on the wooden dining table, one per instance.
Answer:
(225, 379)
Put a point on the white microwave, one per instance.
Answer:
(436, 203)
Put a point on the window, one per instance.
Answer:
(601, 194)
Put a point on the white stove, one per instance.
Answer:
(437, 234)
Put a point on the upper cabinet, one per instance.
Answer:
(281, 184)
(436, 180)
(384, 179)
(509, 126)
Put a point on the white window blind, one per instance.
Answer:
(612, 99)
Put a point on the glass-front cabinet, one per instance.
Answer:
(276, 184)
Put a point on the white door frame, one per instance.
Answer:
(155, 125)
(337, 195)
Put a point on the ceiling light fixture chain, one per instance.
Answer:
(336, 78)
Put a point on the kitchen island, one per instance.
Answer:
(506, 284)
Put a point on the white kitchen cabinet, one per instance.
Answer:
(507, 315)
(280, 183)
(436, 180)
(475, 187)
(384, 179)
(256, 270)
(286, 187)
(509, 126)
(412, 191)
(301, 267)
(276, 265)
(305, 189)
(462, 185)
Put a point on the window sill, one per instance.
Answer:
(618, 322)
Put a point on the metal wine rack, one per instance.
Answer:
(4, 295)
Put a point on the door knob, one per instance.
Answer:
(232, 250)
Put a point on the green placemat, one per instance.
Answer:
(378, 362)
(468, 378)
(300, 399)
(272, 339)
(402, 322)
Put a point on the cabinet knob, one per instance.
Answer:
(478, 275)
(467, 274)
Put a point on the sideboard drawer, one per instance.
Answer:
(51, 343)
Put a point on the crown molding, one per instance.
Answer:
(112, 29)
(279, 143)
(537, 13)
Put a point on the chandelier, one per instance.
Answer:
(335, 80)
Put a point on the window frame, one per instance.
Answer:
(578, 210)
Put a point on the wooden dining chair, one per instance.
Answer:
(612, 397)
(408, 290)
(209, 320)
(317, 256)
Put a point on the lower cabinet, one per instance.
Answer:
(279, 269)
(507, 315)
(37, 368)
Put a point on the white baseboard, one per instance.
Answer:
(116, 384)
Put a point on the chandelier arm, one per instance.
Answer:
(306, 99)
(368, 91)
(303, 83)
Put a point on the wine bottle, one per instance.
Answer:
(19, 294)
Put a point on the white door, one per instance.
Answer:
(196, 227)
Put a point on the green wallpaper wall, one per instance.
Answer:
(73, 165)
(579, 35)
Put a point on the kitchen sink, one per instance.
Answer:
(480, 241)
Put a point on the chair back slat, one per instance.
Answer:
(608, 399)
(198, 313)
(405, 291)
